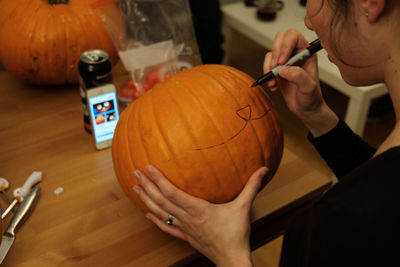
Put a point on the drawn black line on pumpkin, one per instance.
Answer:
(245, 113)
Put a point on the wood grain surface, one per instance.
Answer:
(92, 223)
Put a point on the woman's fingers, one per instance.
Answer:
(297, 75)
(163, 198)
(305, 98)
(151, 205)
(285, 45)
(267, 62)
(272, 85)
(151, 195)
(291, 44)
(172, 193)
(276, 49)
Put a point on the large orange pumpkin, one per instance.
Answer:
(41, 40)
(205, 128)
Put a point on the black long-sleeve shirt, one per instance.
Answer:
(357, 222)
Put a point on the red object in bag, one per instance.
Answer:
(130, 91)
(155, 77)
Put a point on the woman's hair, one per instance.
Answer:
(342, 10)
(342, 16)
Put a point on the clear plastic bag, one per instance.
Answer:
(155, 41)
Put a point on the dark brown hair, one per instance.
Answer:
(342, 10)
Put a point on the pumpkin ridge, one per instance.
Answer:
(87, 26)
(228, 92)
(63, 38)
(81, 42)
(38, 42)
(278, 138)
(132, 124)
(257, 95)
(46, 65)
(5, 15)
(273, 122)
(114, 153)
(130, 167)
(233, 96)
(246, 120)
(210, 117)
(41, 67)
(131, 120)
(118, 135)
(195, 141)
(167, 144)
(224, 142)
(244, 78)
(139, 122)
(20, 45)
(232, 72)
(223, 87)
(135, 137)
(226, 147)
(267, 112)
(11, 20)
(69, 36)
(125, 135)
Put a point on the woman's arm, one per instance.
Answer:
(342, 149)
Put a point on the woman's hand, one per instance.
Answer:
(299, 84)
(221, 232)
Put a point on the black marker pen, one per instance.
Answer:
(314, 47)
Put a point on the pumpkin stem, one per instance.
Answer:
(55, 2)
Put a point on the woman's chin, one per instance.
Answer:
(355, 81)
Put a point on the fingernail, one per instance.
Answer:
(264, 170)
(137, 174)
(136, 189)
(273, 64)
(150, 169)
(271, 83)
(284, 71)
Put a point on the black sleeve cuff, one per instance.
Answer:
(342, 149)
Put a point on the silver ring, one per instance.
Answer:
(170, 220)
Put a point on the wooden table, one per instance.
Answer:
(93, 223)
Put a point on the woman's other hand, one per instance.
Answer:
(299, 85)
(221, 232)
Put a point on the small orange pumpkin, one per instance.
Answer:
(41, 40)
(205, 128)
